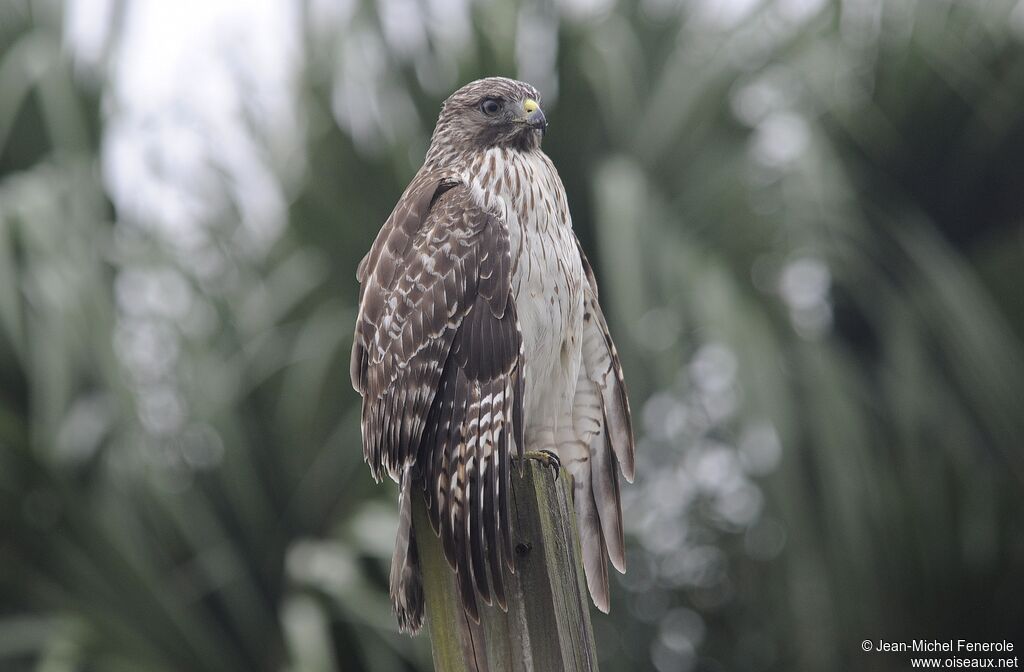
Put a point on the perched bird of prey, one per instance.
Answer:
(479, 334)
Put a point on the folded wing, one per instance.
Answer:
(436, 357)
(602, 448)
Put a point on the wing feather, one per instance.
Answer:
(474, 500)
(606, 369)
(603, 439)
(490, 478)
(436, 356)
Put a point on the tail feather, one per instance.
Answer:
(606, 497)
(595, 566)
(406, 579)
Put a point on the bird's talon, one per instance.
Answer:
(547, 458)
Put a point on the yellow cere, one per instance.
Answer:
(530, 105)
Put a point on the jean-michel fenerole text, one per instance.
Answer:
(952, 645)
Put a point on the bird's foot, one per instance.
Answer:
(547, 458)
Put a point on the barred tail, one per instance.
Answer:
(406, 577)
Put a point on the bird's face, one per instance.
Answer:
(489, 113)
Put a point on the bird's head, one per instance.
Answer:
(490, 112)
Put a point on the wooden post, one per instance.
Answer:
(547, 627)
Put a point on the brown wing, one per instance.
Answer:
(602, 361)
(603, 437)
(436, 357)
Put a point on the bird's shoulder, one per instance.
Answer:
(436, 199)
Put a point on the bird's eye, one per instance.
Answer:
(490, 106)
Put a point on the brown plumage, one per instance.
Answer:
(480, 333)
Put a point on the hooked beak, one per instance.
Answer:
(533, 116)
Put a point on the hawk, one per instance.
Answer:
(480, 334)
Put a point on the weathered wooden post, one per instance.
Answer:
(547, 627)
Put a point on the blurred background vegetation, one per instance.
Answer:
(808, 222)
